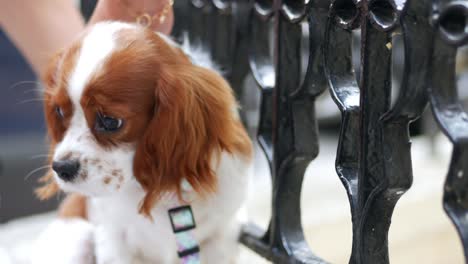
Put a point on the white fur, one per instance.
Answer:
(139, 239)
(5, 257)
(120, 234)
(68, 241)
(96, 46)
(197, 53)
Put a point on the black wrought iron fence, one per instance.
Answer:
(373, 159)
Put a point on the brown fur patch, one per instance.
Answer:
(67, 156)
(74, 206)
(84, 174)
(56, 96)
(107, 180)
(193, 122)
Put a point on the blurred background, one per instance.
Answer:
(420, 231)
(22, 135)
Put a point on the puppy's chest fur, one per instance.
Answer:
(117, 220)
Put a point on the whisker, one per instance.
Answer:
(41, 156)
(31, 100)
(39, 91)
(22, 83)
(36, 90)
(36, 170)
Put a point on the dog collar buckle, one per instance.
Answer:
(183, 224)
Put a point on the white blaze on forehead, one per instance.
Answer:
(97, 45)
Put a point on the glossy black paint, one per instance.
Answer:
(450, 35)
(374, 160)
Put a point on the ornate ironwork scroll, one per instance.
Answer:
(450, 18)
(288, 131)
(373, 157)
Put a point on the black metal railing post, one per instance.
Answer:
(450, 18)
(288, 131)
(373, 157)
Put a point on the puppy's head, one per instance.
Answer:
(123, 106)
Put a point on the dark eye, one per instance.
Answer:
(107, 123)
(59, 111)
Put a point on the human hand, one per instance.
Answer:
(157, 14)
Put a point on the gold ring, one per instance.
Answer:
(145, 20)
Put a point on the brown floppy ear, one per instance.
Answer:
(49, 79)
(49, 187)
(194, 120)
(50, 76)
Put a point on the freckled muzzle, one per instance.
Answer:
(67, 170)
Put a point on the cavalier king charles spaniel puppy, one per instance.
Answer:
(147, 142)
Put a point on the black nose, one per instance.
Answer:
(67, 170)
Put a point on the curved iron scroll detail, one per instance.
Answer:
(373, 157)
(288, 130)
(450, 22)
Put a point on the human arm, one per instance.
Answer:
(40, 28)
(128, 10)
